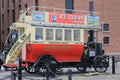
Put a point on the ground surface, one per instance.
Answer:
(5, 75)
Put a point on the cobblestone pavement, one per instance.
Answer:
(6, 75)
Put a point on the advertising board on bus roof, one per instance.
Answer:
(65, 18)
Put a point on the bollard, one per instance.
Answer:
(14, 76)
(11, 73)
(47, 72)
(20, 69)
(69, 74)
(113, 65)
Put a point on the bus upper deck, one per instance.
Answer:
(55, 17)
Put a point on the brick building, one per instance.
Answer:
(109, 17)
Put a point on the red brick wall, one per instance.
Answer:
(109, 12)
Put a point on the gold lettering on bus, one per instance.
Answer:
(57, 47)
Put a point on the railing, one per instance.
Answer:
(80, 18)
(29, 10)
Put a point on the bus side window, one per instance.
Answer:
(58, 34)
(39, 34)
(49, 34)
(68, 35)
(76, 35)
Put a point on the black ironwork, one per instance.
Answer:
(113, 65)
(20, 69)
(47, 72)
(69, 74)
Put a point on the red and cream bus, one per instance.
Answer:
(44, 37)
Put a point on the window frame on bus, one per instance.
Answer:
(59, 34)
(66, 35)
(38, 37)
(71, 34)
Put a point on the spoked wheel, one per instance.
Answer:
(59, 70)
(81, 69)
(100, 65)
(31, 70)
(45, 62)
(42, 70)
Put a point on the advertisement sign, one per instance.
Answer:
(37, 16)
(93, 20)
(66, 18)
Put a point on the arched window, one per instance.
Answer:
(106, 40)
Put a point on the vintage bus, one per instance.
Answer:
(51, 35)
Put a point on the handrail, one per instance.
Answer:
(32, 8)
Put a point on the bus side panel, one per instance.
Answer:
(61, 52)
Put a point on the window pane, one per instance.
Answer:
(76, 35)
(58, 34)
(106, 40)
(106, 27)
(49, 34)
(91, 7)
(36, 4)
(69, 4)
(39, 34)
(68, 35)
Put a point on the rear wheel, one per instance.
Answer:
(100, 65)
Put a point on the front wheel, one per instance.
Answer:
(30, 69)
(100, 65)
(46, 63)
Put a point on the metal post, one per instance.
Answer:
(113, 65)
(47, 72)
(20, 69)
(14, 76)
(53, 68)
(69, 74)
(12, 73)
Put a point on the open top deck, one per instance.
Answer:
(56, 17)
